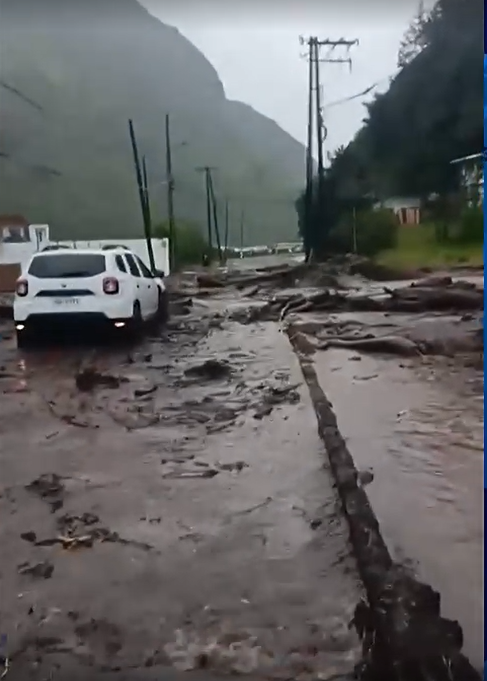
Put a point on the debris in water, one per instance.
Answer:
(42, 570)
(236, 466)
(207, 473)
(211, 369)
(365, 477)
(262, 411)
(89, 378)
(47, 485)
(142, 392)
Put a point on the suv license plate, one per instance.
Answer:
(66, 301)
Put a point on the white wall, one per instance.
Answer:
(12, 253)
(138, 246)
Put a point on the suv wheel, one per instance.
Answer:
(135, 325)
(163, 307)
(24, 339)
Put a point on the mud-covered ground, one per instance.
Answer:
(171, 506)
(406, 384)
(164, 511)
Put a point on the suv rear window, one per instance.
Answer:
(67, 265)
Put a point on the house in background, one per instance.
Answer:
(406, 209)
(471, 176)
(14, 229)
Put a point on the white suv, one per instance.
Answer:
(113, 288)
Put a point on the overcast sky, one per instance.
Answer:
(254, 46)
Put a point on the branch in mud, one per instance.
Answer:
(394, 345)
(443, 296)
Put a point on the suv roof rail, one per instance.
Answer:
(114, 247)
(55, 247)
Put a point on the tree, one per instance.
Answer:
(429, 115)
(414, 38)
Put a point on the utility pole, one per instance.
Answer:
(315, 106)
(309, 151)
(354, 230)
(143, 193)
(170, 198)
(242, 223)
(215, 217)
(207, 173)
(332, 45)
(226, 229)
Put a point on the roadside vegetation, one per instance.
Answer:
(190, 244)
(438, 244)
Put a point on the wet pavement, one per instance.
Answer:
(417, 425)
(171, 506)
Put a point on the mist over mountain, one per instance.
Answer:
(71, 75)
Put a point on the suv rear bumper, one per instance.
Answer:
(72, 320)
(110, 307)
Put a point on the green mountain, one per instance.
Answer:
(71, 75)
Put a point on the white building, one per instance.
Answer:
(15, 253)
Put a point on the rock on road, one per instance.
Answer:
(169, 511)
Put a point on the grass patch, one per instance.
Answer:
(417, 247)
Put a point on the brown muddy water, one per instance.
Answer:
(418, 425)
(206, 530)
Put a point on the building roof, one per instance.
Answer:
(472, 157)
(401, 202)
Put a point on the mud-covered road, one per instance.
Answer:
(172, 506)
(170, 512)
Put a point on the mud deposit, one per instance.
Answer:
(173, 506)
(170, 506)
(418, 425)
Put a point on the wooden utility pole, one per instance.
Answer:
(319, 134)
(242, 225)
(354, 230)
(309, 152)
(170, 199)
(328, 59)
(141, 177)
(227, 225)
(215, 217)
(315, 115)
(207, 172)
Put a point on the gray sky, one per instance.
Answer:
(255, 49)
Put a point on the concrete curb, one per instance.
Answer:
(404, 636)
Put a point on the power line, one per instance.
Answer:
(363, 93)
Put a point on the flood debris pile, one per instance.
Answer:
(404, 636)
(409, 338)
(440, 295)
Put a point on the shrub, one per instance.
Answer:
(471, 226)
(376, 231)
(191, 245)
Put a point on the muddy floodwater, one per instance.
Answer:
(419, 426)
(171, 505)
(173, 512)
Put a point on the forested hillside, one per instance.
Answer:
(71, 75)
(430, 115)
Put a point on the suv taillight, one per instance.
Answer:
(110, 286)
(22, 288)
